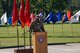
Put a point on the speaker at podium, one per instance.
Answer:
(39, 40)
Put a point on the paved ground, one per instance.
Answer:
(68, 48)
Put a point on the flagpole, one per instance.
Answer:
(7, 28)
(30, 39)
(53, 29)
(17, 36)
(24, 39)
(62, 25)
(62, 28)
(72, 29)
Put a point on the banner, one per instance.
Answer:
(4, 19)
(27, 13)
(15, 15)
(22, 18)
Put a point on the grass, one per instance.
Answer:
(56, 33)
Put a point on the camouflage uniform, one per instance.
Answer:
(37, 26)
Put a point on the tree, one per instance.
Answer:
(7, 6)
(36, 5)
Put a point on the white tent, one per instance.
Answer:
(75, 18)
(4, 19)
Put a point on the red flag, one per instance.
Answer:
(15, 14)
(22, 18)
(27, 13)
(32, 16)
(69, 14)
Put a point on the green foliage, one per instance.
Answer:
(36, 5)
(1, 10)
(6, 6)
(49, 5)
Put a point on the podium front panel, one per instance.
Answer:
(39, 40)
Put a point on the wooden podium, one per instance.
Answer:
(39, 40)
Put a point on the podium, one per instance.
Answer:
(39, 40)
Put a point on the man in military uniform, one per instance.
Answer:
(37, 25)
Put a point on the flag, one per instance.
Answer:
(59, 16)
(51, 17)
(47, 18)
(15, 15)
(64, 18)
(75, 18)
(69, 14)
(41, 14)
(32, 16)
(4, 18)
(27, 13)
(22, 18)
(54, 19)
(10, 20)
